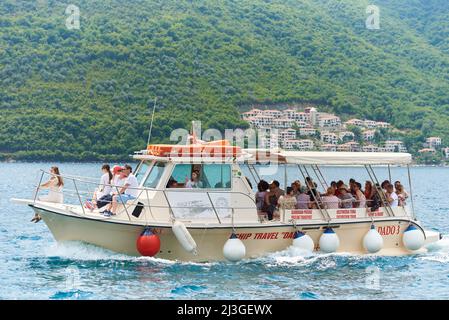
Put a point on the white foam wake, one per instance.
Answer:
(76, 250)
(438, 251)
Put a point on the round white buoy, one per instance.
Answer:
(373, 241)
(329, 241)
(413, 239)
(303, 241)
(234, 249)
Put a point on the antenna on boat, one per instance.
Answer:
(152, 118)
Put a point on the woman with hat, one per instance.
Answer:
(345, 197)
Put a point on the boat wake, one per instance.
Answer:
(438, 251)
(74, 250)
(81, 251)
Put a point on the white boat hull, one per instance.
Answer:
(259, 239)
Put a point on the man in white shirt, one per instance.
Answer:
(392, 197)
(127, 192)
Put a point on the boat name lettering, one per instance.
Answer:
(266, 235)
(388, 230)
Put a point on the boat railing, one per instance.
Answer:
(194, 204)
(160, 204)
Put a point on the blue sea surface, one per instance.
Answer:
(34, 266)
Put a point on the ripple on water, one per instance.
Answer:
(33, 238)
(307, 295)
(35, 267)
(71, 295)
(187, 289)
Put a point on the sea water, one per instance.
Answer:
(34, 266)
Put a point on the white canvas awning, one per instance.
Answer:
(333, 158)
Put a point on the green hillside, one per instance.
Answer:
(87, 94)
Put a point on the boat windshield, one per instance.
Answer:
(209, 176)
(141, 170)
(155, 175)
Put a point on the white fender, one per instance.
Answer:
(184, 237)
(234, 249)
(329, 241)
(373, 241)
(303, 241)
(413, 239)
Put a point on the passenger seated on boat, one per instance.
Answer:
(104, 188)
(272, 198)
(402, 194)
(54, 186)
(303, 199)
(369, 193)
(296, 185)
(311, 186)
(194, 181)
(340, 183)
(385, 184)
(351, 186)
(127, 192)
(391, 196)
(262, 190)
(376, 201)
(359, 196)
(345, 197)
(334, 186)
(172, 183)
(330, 200)
(119, 177)
(287, 201)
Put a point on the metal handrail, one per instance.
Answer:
(168, 206)
(210, 190)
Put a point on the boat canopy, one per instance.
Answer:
(333, 158)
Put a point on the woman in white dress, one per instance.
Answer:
(104, 188)
(54, 186)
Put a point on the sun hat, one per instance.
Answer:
(116, 169)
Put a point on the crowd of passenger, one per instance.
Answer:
(117, 185)
(270, 197)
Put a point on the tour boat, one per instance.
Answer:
(219, 220)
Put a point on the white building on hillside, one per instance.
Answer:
(380, 124)
(328, 121)
(346, 135)
(355, 122)
(307, 132)
(329, 137)
(433, 142)
(273, 113)
(370, 124)
(251, 113)
(288, 134)
(370, 148)
(368, 135)
(328, 147)
(395, 146)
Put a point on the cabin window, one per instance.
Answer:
(141, 170)
(210, 176)
(155, 175)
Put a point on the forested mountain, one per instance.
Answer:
(82, 94)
